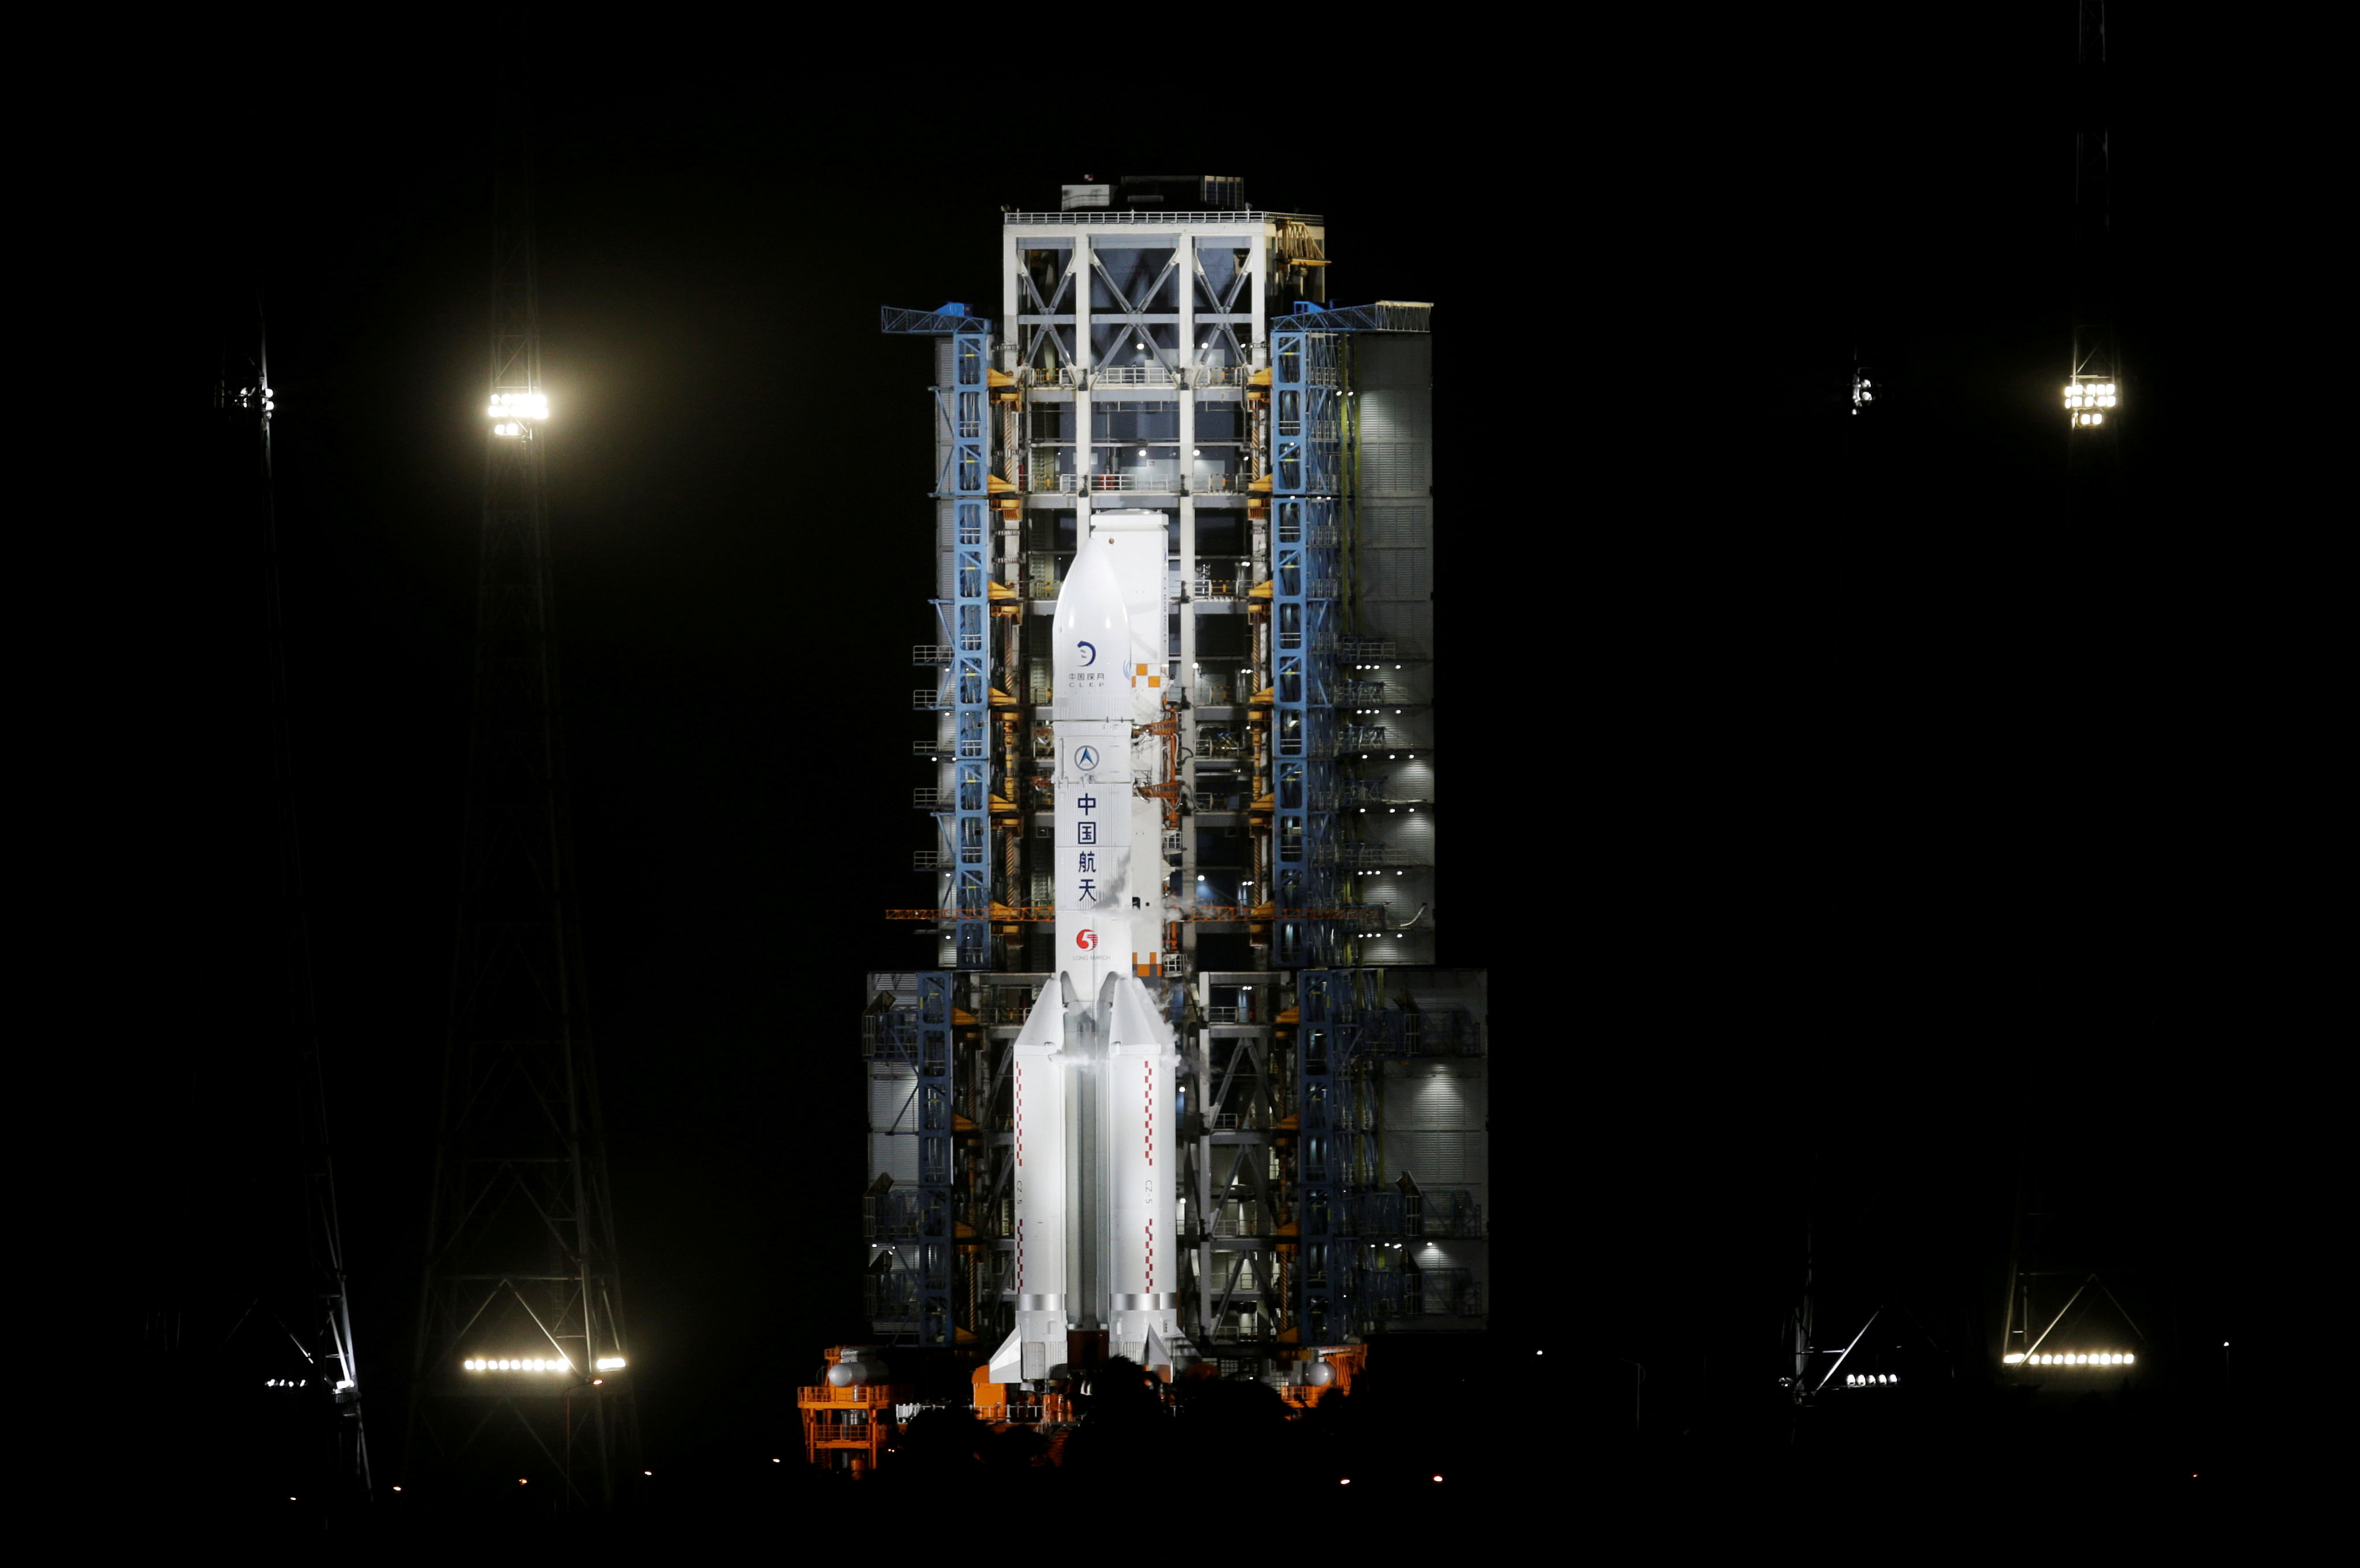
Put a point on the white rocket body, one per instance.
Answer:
(1038, 1084)
(1091, 670)
(1142, 1315)
(1095, 1184)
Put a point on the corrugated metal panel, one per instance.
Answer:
(1409, 623)
(1431, 1104)
(1394, 378)
(1413, 780)
(1395, 522)
(1396, 573)
(1395, 467)
(889, 1102)
(897, 1158)
(1432, 1157)
(1413, 835)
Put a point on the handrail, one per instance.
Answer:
(1135, 376)
(866, 1395)
(1008, 914)
(1152, 215)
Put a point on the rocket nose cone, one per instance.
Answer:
(1092, 638)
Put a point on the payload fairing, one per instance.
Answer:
(1093, 1072)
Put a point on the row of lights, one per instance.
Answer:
(536, 1364)
(2074, 1358)
(1869, 1379)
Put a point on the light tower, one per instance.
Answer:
(522, 1367)
(298, 1291)
(1164, 374)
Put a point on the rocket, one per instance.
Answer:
(1094, 1180)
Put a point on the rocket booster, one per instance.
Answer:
(1092, 1075)
(1038, 1081)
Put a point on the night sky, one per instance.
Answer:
(1826, 791)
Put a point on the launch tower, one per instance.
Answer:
(1165, 366)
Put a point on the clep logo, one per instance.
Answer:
(1091, 650)
(1085, 939)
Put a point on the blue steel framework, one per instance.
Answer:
(966, 481)
(916, 1033)
(1307, 372)
(933, 1028)
(1324, 1291)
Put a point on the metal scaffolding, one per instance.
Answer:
(1185, 362)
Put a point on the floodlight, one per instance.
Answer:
(508, 408)
(610, 1364)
